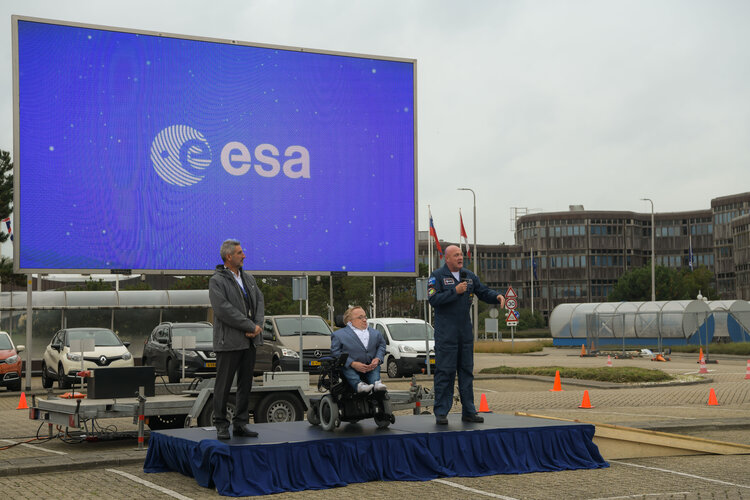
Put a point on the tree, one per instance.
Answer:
(193, 282)
(671, 284)
(6, 189)
(7, 277)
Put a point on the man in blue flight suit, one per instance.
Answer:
(450, 291)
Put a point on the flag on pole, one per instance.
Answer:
(690, 256)
(464, 235)
(10, 231)
(533, 265)
(433, 233)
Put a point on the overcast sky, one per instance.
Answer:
(536, 104)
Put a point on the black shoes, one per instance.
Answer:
(244, 431)
(441, 419)
(222, 433)
(472, 418)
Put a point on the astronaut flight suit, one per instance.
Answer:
(454, 337)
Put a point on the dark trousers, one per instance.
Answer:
(449, 360)
(227, 364)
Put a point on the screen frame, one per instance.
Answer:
(18, 160)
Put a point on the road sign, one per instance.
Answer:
(511, 320)
(493, 312)
(511, 294)
(511, 304)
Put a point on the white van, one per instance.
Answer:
(405, 345)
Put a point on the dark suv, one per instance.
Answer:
(200, 361)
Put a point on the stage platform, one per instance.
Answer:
(296, 456)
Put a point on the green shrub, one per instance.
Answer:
(622, 375)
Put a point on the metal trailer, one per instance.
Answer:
(278, 399)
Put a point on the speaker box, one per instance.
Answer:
(120, 382)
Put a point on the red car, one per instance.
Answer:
(10, 363)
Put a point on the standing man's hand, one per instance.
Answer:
(461, 287)
(501, 299)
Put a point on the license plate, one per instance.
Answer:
(314, 363)
(432, 361)
(211, 364)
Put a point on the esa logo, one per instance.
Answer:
(181, 155)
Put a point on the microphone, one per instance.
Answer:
(462, 275)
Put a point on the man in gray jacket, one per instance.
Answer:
(238, 315)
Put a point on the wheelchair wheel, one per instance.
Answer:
(383, 420)
(329, 413)
(313, 414)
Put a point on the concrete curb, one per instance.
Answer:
(36, 465)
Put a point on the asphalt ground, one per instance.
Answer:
(113, 469)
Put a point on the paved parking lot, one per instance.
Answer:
(55, 469)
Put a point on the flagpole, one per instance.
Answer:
(532, 282)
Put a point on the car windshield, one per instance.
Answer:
(5, 342)
(201, 333)
(310, 326)
(410, 331)
(102, 338)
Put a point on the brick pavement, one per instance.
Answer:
(651, 407)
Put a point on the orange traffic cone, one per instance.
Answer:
(712, 401)
(557, 387)
(609, 361)
(700, 355)
(585, 403)
(22, 402)
(483, 408)
(583, 350)
(747, 371)
(703, 368)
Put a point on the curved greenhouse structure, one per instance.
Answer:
(650, 323)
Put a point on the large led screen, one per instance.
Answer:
(144, 151)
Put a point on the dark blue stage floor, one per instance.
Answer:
(296, 456)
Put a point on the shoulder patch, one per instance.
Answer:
(432, 280)
(431, 292)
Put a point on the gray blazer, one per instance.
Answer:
(345, 340)
(231, 319)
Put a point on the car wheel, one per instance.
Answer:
(278, 408)
(46, 380)
(392, 368)
(206, 418)
(62, 382)
(329, 413)
(276, 366)
(15, 385)
(173, 371)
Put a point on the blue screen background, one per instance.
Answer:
(92, 102)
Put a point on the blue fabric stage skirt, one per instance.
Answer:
(328, 460)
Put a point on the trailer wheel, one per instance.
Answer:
(278, 407)
(329, 413)
(206, 418)
(157, 422)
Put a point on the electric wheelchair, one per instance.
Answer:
(342, 403)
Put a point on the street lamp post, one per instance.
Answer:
(475, 259)
(653, 254)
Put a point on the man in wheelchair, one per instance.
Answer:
(352, 377)
(366, 349)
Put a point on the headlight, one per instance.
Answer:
(127, 355)
(12, 359)
(406, 348)
(289, 353)
(73, 357)
(188, 354)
